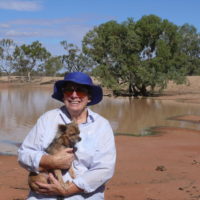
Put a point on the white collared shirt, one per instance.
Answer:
(95, 156)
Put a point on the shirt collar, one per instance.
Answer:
(90, 117)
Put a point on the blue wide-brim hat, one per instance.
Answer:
(79, 78)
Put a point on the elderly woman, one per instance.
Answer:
(94, 160)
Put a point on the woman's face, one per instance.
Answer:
(76, 98)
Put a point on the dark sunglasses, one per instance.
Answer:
(80, 91)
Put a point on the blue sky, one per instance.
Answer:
(51, 21)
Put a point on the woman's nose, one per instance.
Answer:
(74, 94)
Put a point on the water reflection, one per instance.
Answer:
(21, 106)
(136, 115)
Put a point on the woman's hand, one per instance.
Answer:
(55, 188)
(61, 160)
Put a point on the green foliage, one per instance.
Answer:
(190, 48)
(142, 55)
(6, 56)
(149, 28)
(74, 59)
(52, 66)
(115, 48)
(30, 57)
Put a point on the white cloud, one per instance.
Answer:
(4, 26)
(46, 22)
(48, 31)
(20, 5)
(72, 28)
(73, 33)
(14, 33)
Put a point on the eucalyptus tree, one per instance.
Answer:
(53, 65)
(75, 59)
(190, 48)
(7, 61)
(30, 57)
(160, 53)
(138, 55)
(115, 47)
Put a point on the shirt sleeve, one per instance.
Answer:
(32, 149)
(103, 164)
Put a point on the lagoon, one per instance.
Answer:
(22, 105)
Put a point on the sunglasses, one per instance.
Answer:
(81, 92)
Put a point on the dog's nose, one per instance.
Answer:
(74, 149)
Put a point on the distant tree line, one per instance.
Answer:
(34, 59)
(131, 58)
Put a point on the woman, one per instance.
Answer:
(94, 160)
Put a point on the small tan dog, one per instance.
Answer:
(68, 136)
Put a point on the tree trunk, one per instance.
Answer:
(29, 76)
(8, 75)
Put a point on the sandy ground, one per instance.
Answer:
(160, 167)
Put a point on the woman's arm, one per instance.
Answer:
(32, 155)
(61, 160)
(55, 188)
(102, 166)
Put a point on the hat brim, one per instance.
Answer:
(96, 92)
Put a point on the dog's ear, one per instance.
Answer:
(62, 127)
(76, 128)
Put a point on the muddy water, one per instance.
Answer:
(21, 106)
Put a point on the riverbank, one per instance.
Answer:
(192, 85)
(158, 167)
